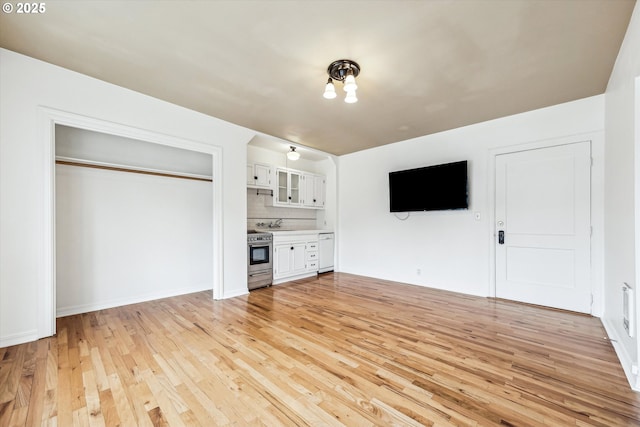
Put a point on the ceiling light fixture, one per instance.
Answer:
(293, 155)
(346, 71)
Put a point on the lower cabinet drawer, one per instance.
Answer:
(312, 255)
(312, 265)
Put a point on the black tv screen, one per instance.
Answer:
(431, 188)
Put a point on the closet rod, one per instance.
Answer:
(130, 170)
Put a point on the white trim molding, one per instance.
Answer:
(625, 358)
(20, 338)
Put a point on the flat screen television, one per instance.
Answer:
(430, 188)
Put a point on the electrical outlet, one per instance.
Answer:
(418, 272)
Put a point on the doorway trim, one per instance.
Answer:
(48, 119)
(596, 140)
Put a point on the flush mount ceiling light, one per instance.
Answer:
(346, 71)
(293, 154)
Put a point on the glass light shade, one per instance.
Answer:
(329, 91)
(351, 97)
(293, 155)
(350, 83)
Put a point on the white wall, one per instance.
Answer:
(124, 237)
(622, 209)
(26, 85)
(451, 248)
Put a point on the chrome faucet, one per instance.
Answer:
(275, 224)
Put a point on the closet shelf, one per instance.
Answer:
(70, 161)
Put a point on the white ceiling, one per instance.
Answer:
(427, 66)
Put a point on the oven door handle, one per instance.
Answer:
(260, 273)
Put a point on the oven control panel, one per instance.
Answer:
(260, 237)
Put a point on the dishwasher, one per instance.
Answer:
(325, 252)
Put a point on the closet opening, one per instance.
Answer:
(133, 220)
(161, 236)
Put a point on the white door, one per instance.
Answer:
(543, 226)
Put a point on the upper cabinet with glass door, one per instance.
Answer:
(288, 188)
(298, 189)
(291, 188)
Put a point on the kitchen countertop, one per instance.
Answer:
(289, 232)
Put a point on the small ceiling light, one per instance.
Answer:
(346, 71)
(329, 90)
(293, 155)
(350, 83)
(351, 97)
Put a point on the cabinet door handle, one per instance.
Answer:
(255, 177)
(291, 247)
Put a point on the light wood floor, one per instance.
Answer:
(339, 350)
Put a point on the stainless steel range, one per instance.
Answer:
(260, 259)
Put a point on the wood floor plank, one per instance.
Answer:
(122, 403)
(334, 350)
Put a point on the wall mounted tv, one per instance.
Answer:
(431, 188)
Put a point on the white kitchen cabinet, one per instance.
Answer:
(297, 189)
(311, 255)
(289, 189)
(314, 190)
(294, 256)
(259, 175)
(289, 260)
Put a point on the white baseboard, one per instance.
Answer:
(19, 338)
(624, 357)
(235, 293)
(85, 308)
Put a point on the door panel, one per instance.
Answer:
(283, 187)
(298, 261)
(281, 259)
(544, 267)
(295, 198)
(543, 208)
(309, 189)
(544, 187)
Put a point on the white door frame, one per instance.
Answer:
(636, 120)
(596, 273)
(48, 119)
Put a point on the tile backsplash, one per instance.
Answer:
(292, 218)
